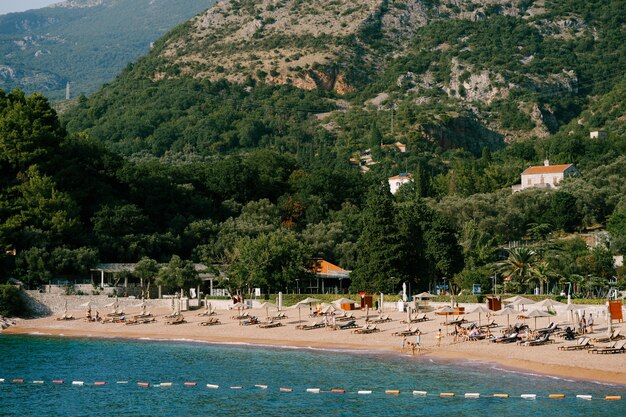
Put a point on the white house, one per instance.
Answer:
(399, 180)
(598, 134)
(546, 176)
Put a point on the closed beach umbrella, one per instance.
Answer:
(506, 311)
(481, 309)
(571, 308)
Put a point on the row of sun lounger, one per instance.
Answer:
(411, 331)
(211, 322)
(368, 328)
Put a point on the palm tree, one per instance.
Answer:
(519, 264)
(542, 272)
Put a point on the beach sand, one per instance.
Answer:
(546, 359)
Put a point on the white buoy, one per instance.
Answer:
(80, 383)
(364, 392)
(472, 395)
(261, 386)
(212, 386)
(584, 397)
(313, 390)
(122, 382)
(529, 396)
(37, 382)
(165, 384)
(420, 393)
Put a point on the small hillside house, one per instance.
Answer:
(399, 180)
(545, 176)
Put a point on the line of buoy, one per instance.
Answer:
(468, 395)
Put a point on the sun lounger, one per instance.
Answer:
(506, 339)
(366, 329)
(543, 339)
(382, 319)
(460, 320)
(408, 332)
(346, 317)
(315, 325)
(609, 345)
(279, 316)
(211, 322)
(492, 323)
(66, 317)
(269, 325)
(249, 321)
(176, 320)
(581, 343)
(241, 316)
(349, 325)
(614, 347)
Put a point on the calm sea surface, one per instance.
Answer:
(46, 358)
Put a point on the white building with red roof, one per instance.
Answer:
(545, 176)
(398, 181)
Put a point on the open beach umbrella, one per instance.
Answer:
(266, 305)
(522, 301)
(328, 308)
(344, 301)
(446, 309)
(425, 295)
(506, 311)
(481, 309)
(535, 314)
(548, 303)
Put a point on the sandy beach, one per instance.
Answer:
(544, 359)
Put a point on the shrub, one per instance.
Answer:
(11, 302)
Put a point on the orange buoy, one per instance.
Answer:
(338, 390)
(190, 384)
(99, 383)
(556, 396)
(613, 397)
(392, 391)
(446, 394)
(285, 389)
(143, 384)
(18, 381)
(500, 395)
(57, 381)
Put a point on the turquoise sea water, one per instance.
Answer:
(46, 358)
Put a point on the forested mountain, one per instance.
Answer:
(85, 42)
(240, 140)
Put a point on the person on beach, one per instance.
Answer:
(403, 343)
(590, 323)
(583, 325)
(418, 341)
(439, 336)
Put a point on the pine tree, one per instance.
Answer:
(379, 252)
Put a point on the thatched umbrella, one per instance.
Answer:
(535, 314)
(506, 311)
(266, 305)
(481, 309)
(522, 301)
(446, 310)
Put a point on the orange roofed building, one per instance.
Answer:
(546, 176)
(329, 278)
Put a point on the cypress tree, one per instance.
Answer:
(379, 252)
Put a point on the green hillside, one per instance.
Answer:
(198, 153)
(43, 49)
